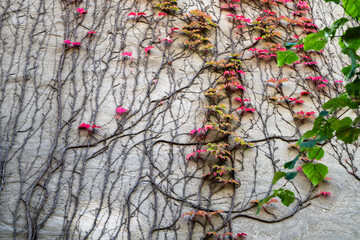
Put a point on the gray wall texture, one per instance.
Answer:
(130, 179)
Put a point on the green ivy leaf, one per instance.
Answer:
(315, 153)
(335, 124)
(335, 103)
(291, 164)
(349, 71)
(326, 132)
(353, 88)
(264, 200)
(287, 197)
(348, 134)
(316, 41)
(278, 176)
(290, 175)
(290, 45)
(356, 121)
(347, 121)
(353, 104)
(352, 8)
(351, 38)
(351, 52)
(338, 23)
(308, 134)
(308, 144)
(319, 124)
(335, 1)
(287, 57)
(315, 172)
(323, 113)
(339, 123)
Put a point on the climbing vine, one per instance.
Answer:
(172, 119)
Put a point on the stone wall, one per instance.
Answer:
(130, 178)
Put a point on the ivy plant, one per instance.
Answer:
(332, 122)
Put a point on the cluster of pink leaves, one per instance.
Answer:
(68, 43)
(223, 235)
(306, 60)
(243, 101)
(136, 15)
(201, 131)
(259, 53)
(300, 12)
(319, 81)
(229, 6)
(268, 12)
(217, 173)
(195, 155)
(338, 82)
(84, 126)
(81, 11)
(291, 101)
(310, 63)
(126, 54)
(240, 18)
(303, 115)
(302, 5)
(242, 110)
(324, 193)
(234, 86)
(129, 54)
(167, 40)
(295, 101)
(147, 50)
(299, 46)
(88, 127)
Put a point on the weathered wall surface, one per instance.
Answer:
(131, 179)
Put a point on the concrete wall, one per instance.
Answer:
(131, 178)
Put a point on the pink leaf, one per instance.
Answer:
(147, 49)
(242, 72)
(193, 131)
(121, 110)
(209, 127)
(167, 40)
(126, 54)
(76, 44)
(91, 33)
(84, 126)
(304, 93)
(324, 193)
(81, 11)
(174, 29)
(67, 41)
(241, 235)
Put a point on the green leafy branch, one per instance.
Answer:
(328, 124)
